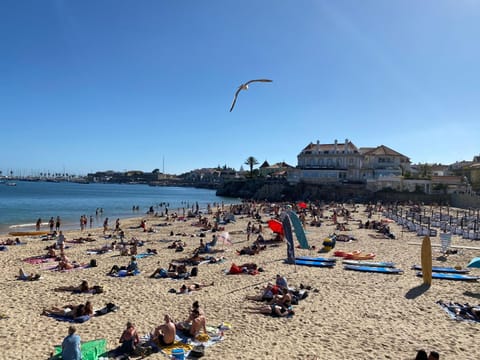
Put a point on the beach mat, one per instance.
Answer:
(91, 350)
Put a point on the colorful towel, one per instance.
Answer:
(38, 259)
(55, 268)
(80, 319)
(461, 312)
(91, 350)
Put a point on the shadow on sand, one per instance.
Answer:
(472, 294)
(416, 291)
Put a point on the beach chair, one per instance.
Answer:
(446, 242)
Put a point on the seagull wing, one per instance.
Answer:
(235, 98)
(258, 80)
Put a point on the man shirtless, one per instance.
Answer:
(165, 334)
(198, 323)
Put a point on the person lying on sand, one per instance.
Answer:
(83, 288)
(274, 310)
(131, 268)
(65, 263)
(28, 277)
(185, 289)
(70, 311)
(11, 242)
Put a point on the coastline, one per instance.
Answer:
(353, 314)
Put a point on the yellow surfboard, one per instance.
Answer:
(427, 260)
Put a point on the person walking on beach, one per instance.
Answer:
(58, 223)
(71, 345)
(51, 224)
(38, 224)
(105, 225)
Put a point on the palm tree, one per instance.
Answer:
(251, 161)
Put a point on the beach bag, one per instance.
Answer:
(93, 263)
(194, 271)
(198, 351)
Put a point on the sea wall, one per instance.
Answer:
(279, 190)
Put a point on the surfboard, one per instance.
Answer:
(315, 263)
(312, 258)
(385, 270)
(427, 260)
(387, 264)
(445, 269)
(298, 228)
(450, 276)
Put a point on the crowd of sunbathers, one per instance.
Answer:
(278, 299)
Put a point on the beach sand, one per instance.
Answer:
(347, 315)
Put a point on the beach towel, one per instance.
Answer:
(461, 312)
(38, 259)
(78, 320)
(123, 273)
(143, 255)
(91, 350)
(55, 268)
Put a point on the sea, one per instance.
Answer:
(23, 204)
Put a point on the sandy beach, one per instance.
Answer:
(347, 314)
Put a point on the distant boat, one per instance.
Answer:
(11, 184)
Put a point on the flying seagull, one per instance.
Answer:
(245, 87)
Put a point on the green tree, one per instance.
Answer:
(251, 162)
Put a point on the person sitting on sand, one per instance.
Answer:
(131, 268)
(284, 299)
(196, 324)
(129, 339)
(185, 289)
(177, 271)
(273, 310)
(267, 293)
(51, 253)
(28, 277)
(164, 334)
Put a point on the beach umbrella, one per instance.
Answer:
(474, 263)
(276, 226)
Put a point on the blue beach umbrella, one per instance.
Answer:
(474, 263)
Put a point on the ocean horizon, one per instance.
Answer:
(23, 204)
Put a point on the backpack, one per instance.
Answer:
(93, 263)
(194, 271)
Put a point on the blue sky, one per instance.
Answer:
(97, 85)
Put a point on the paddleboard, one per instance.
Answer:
(427, 260)
(311, 258)
(386, 270)
(28, 233)
(450, 276)
(388, 264)
(443, 269)
(315, 263)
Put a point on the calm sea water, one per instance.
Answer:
(22, 205)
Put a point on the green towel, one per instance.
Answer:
(91, 350)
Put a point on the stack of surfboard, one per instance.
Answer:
(447, 273)
(315, 261)
(385, 267)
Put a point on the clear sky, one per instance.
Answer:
(120, 85)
